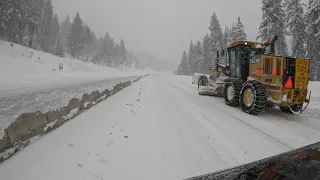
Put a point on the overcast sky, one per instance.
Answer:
(161, 27)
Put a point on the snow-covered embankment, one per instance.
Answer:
(30, 125)
(36, 97)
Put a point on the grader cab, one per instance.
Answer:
(257, 78)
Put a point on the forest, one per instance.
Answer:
(285, 18)
(34, 24)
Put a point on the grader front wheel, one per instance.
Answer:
(253, 97)
(232, 93)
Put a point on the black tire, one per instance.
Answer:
(296, 108)
(234, 101)
(269, 106)
(259, 98)
(285, 109)
(203, 81)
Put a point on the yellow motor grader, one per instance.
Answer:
(255, 78)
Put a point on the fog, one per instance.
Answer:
(160, 27)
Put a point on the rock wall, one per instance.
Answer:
(30, 125)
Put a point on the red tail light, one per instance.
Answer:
(289, 83)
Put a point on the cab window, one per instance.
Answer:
(235, 63)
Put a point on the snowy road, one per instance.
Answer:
(159, 128)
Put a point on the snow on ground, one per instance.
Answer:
(159, 128)
(26, 70)
(315, 94)
(31, 81)
(45, 100)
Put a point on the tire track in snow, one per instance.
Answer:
(287, 146)
(230, 152)
(259, 130)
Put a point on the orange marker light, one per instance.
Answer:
(289, 83)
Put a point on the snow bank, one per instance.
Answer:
(50, 125)
(71, 114)
(19, 131)
(26, 69)
(314, 86)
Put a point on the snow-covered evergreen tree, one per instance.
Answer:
(59, 50)
(54, 32)
(117, 52)
(75, 37)
(88, 41)
(238, 31)
(297, 25)
(273, 23)
(123, 51)
(26, 36)
(10, 17)
(40, 11)
(183, 67)
(216, 34)
(64, 32)
(31, 19)
(206, 57)
(47, 26)
(227, 37)
(313, 37)
(198, 57)
(191, 58)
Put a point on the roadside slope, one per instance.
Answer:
(26, 70)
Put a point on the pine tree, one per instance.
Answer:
(296, 24)
(191, 58)
(30, 20)
(47, 26)
(215, 35)
(88, 41)
(75, 37)
(313, 38)
(183, 67)
(117, 52)
(40, 11)
(59, 50)
(238, 31)
(226, 37)
(233, 33)
(273, 23)
(64, 32)
(206, 57)
(54, 34)
(10, 20)
(123, 51)
(198, 57)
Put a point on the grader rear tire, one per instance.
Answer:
(232, 93)
(253, 97)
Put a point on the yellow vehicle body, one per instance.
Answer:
(270, 70)
(258, 78)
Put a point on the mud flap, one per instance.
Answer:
(308, 102)
(302, 108)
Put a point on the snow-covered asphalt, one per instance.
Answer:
(159, 128)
